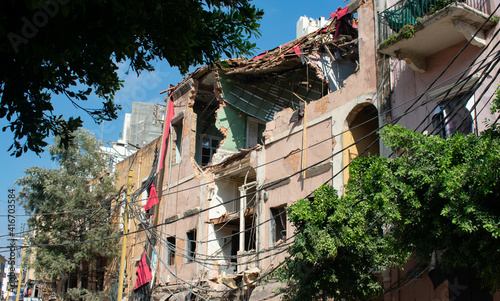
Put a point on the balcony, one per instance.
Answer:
(412, 30)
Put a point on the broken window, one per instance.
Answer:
(278, 224)
(171, 250)
(191, 245)
(209, 146)
(452, 116)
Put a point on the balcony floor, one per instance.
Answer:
(439, 31)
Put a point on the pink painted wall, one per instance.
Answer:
(407, 85)
(324, 116)
(184, 180)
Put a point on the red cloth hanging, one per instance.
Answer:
(340, 13)
(295, 49)
(143, 272)
(166, 130)
(153, 198)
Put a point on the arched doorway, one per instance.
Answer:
(361, 137)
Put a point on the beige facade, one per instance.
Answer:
(140, 164)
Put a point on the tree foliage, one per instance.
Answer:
(72, 47)
(70, 205)
(439, 194)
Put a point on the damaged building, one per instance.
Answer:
(246, 138)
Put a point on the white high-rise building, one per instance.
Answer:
(307, 25)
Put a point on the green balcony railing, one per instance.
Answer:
(406, 12)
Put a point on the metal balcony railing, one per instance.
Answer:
(406, 12)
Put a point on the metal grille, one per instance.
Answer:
(406, 12)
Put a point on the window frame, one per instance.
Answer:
(441, 118)
(212, 149)
(275, 216)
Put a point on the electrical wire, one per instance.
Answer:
(203, 263)
(431, 84)
(344, 148)
(229, 201)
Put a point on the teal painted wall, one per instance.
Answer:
(230, 119)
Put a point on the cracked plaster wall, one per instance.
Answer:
(322, 123)
(186, 192)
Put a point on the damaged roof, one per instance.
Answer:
(337, 36)
(306, 68)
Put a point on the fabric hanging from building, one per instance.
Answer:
(452, 116)
(166, 130)
(341, 12)
(344, 22)
(143, 272)
(142, 294)
(295, 49)
(153, 198)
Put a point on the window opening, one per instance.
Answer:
(191, 245)
(250, 237)
(255, 128)
(278, 224)
(122, 213)
(145, 197)
(235, 243)
(178, 142)
(171, 250)
(251, 197)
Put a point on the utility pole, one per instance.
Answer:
(124, 240)
(21, 269)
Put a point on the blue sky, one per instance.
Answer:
(277, 27)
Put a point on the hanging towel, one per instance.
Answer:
(143, 272)
(153, 198)
(166, 131)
